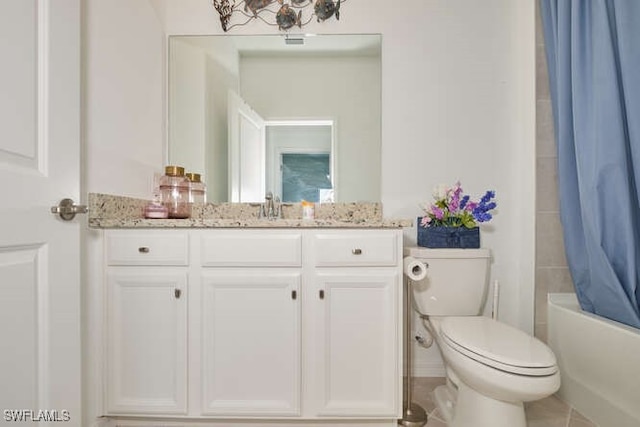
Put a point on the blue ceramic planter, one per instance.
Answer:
(448, 237)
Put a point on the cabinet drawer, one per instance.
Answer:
(376, 248)
(153, 248)
(252, 249)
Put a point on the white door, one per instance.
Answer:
(251, 342)
(39, 253)
(147, 341)
(247, 152)
(356, 344)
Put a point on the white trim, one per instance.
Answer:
(303, 122)
(41, 256)
(42, 137)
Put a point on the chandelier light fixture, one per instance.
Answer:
(283, 14)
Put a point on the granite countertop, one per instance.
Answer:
(108, 211)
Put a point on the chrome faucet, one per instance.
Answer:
(272, 208)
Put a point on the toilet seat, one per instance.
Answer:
(498, 345)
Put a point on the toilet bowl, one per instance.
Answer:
(492, 368)
(496, 367)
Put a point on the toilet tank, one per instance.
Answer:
(456, 283)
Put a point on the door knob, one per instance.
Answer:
(67, 209)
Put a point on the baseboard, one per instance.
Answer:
(103, 422)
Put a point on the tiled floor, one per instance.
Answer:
(549, 412)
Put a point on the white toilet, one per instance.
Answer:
(492, 368)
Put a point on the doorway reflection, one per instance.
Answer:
(300, 159)
(306, 177)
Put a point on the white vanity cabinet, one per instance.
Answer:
(356, 283)
(297, 325)
(250, 283)
(146, 323)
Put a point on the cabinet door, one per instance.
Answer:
(146, 341)
(356, 352)
(251, 342)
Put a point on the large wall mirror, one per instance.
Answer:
(295, 115)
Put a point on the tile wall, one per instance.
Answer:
(552, 273)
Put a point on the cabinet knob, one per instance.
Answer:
(294, 294)
(143, 249)
(321, 294)
(177, 293)
(356, 251)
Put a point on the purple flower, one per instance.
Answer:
(454, 203)
(471, 206)
(481, 216)
(454, 209)
(487, 197)
(463, 202)
(481, 212)
(437, 212)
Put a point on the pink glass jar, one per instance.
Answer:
(174, 192)
(155, 209)
(197, 189)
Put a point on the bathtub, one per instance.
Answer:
(599, 363)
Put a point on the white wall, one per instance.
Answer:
(458, 103)
(123, 133)
(124, 65)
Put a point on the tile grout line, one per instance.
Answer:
(569, 417)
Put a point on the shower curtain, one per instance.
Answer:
(593, 55)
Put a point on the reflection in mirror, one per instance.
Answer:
(258, 113)
(300, 160)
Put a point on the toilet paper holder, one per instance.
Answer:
(414, 269)
(413, 415)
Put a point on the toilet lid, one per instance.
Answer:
(498, 345)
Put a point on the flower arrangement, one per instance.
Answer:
(452, 208)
